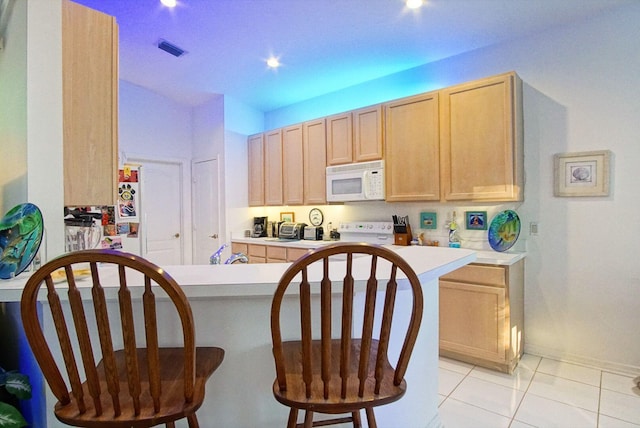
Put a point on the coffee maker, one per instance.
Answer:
(259, 227)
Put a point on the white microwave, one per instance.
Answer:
(362, 181)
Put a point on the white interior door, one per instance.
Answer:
(162, 212)
(206, 206)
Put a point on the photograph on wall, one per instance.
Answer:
(582, 173)
(133, 230)
(128, 202)
(476, 220)
(428, 220)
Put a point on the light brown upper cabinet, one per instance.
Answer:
(481, 140)
(314, 144)
(292, 165)
(90, 105)
(355, 136)
(273, 194)
(255, 148)
(412, 149)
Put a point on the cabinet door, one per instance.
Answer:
(257, 253)
(294, 254)
(412, 149)
(481, 140)
(292, 165)
(90, 105)
(473, 320)
(314, 143)
(367, 130)
(339, 139)
(237, 247)
(255, 147)
(276, 254)
(273, 168)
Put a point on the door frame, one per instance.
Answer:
(221, 220)
(185, 201)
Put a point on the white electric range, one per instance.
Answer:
(374, 232)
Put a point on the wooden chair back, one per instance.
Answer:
(129, 386)
(348, 371)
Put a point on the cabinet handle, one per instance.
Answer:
(177, 235)
(214, 236)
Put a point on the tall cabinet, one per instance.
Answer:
(90, 105)
(481, 140)
(255, 147)
(412, 168)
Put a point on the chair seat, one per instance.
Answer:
(173, 406)
(295, 395)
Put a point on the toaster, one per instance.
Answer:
(312, 233)
(291, 230)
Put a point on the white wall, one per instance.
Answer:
(153, 125)
(582, 92)
(44, 119)
(13, 109)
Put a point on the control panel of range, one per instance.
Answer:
(371, 227)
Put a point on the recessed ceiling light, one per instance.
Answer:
(169, 3)
(273, 62)
(414, 4)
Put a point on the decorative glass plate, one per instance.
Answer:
(504, 230)
(20, 237)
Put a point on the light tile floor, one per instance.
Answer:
(542, 393)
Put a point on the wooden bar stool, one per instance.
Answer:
(136, 382)
(342, 373)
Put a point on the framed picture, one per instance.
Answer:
(428, 220)
(582, 173)
(476, 220)
(288, 216)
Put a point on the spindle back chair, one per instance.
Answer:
(317, 371)
(92, 304)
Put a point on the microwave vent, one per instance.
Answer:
(356, 166)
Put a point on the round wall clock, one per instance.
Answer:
(316, 217)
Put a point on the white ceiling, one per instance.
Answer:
(324, 45)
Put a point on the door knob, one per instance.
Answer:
(177, 235)
(214, 236)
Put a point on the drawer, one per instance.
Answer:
(479, 274)
(294, 254)
(278, 253)
(237, 247)
(258, 250)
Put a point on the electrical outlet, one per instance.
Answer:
(533, 228)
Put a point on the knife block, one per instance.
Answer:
(403, 238)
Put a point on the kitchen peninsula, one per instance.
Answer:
(231, 305)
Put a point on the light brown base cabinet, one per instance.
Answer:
(260, 253)
(482, 315)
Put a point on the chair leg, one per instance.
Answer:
(193, 421)
(308, 419)
(371, 418)
(293, 418)
(357, 423)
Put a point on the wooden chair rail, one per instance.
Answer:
(136, 382)
(342, 374)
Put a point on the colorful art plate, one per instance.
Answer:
(504, 230)
(20, 237)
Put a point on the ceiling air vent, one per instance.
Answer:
(172, 49)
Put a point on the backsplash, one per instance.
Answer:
(383, 211)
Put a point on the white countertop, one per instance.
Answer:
(235, 280)
(483, 256)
